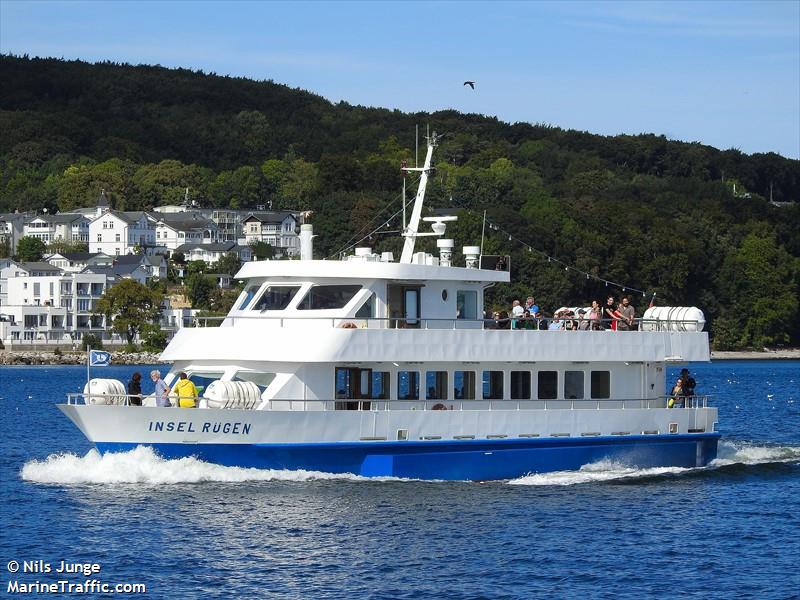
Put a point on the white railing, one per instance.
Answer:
(518, 325)
(660, 402)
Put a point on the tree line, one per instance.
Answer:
(686, 221)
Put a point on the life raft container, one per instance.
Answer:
(104, 391)
(232, 394)
(673, 318)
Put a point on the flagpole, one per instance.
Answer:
(88, 363)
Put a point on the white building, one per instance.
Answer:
(173, 230)
(66, 227)
(75, 262)
(154, 265)
(211, 253)
(12, 228)
(49, 307)
(278, 229)
(119, 233)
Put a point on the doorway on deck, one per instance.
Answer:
(404, 306)
(353, 383)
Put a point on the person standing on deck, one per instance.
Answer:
(610, 312)
(627, 314)
(161, 389)
(135, 390)
(186, 391)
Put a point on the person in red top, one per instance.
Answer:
(610, 312)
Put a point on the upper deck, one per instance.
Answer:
(322, 270)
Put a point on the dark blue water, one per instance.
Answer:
(192, 530)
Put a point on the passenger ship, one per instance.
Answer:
(381, 368)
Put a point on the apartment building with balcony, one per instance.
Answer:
(63, 227)
(278, 229)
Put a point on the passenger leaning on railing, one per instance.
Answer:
(186, 392)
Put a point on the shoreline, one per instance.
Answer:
(784, 354)
(40, 357)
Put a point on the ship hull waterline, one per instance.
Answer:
(480, 460)
(442, 459)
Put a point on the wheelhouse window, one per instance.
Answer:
(464, 385)
(408, 385)
(492, 385)
(548, 385)
(328, 297)
(276, 297)
(520, 385)
(248, 295)
(573, 385)
(601, 384)
(436, 385)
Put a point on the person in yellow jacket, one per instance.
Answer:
(186, 392)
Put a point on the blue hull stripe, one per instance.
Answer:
(451, 459)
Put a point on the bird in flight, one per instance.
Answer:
(470, 84)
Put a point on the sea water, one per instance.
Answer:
(189, 529)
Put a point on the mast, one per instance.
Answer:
(411, 230)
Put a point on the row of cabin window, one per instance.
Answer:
(464, 385)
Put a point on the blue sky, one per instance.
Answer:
(722, 73)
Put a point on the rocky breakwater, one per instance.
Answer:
(22, 357)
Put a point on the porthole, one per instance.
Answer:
(444, 295)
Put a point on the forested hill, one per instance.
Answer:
(685, 220)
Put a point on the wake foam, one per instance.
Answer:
(143, 465)
(604, 470)
(728, 454)
(733, 453)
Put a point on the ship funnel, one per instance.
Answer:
(472, 254)
(445, 252)
(306, 242)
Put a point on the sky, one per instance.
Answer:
(722, 73)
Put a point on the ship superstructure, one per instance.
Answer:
(384, 368)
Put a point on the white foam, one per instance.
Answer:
(593, 473)
(729, 453)
(142, 465)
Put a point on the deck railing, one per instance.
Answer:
(516, 325)
(687, 402)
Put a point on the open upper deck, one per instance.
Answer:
(320, 270)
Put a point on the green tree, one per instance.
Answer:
(196, 266)
(30, 249)
(200, 290)
(261, 250)
(131, 306)
(760, 279)
(228, 264)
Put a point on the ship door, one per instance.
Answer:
(353, 384)
(404, 306)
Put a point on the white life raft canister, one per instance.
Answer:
(673, 318)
